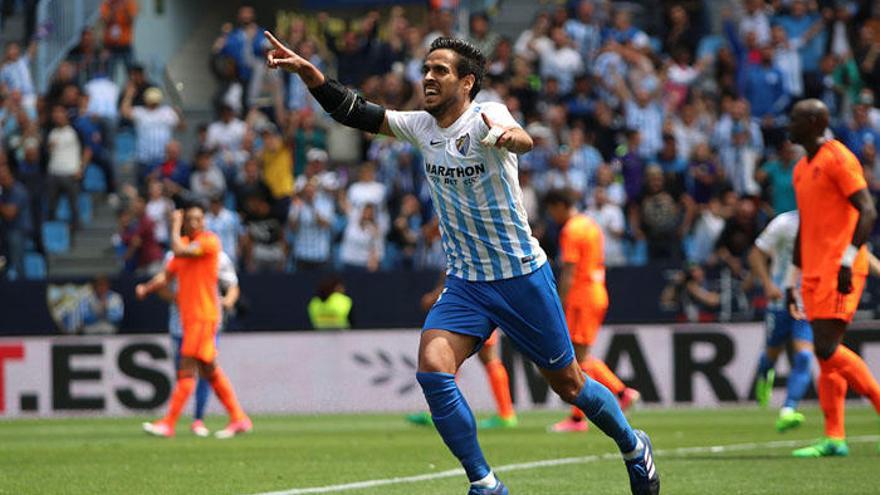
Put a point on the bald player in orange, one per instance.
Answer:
(195, 264)
(836, 217)
(584, 297)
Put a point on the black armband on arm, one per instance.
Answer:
(347, 107)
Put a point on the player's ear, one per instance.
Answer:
(469, 81)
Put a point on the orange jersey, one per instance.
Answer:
(197, 295)
(823, 186)
(582, 243)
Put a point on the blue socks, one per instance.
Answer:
(203, 392)
(455, 422)
(764, 365)
(799, 378)
(602, 408)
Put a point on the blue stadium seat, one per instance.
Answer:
(34, 266)
(85, 209)
(94, 180)
(56, 237)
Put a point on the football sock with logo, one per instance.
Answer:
(799, 378)
(203, 392)
(601, 407)
(599, 371)
(832, 398)
(500, 382)
(223, 388)
(182, 390)
(454, 421)
(856, 373)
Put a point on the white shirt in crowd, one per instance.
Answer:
(563, 64)
(223, 136)
(611, 221)
(158, 210)
(358, 243)
(154, 128)
(207, 183)
(103, 97)
(65, 152)
(361, 194)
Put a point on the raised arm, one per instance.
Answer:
(343, 104)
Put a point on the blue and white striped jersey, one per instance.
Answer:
(226, 278)
(777, 240)
(475, 189)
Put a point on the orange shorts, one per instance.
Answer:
(584, 323)
(492, 340)
(198, 340)
(823, 302)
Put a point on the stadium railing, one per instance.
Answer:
(60, 23)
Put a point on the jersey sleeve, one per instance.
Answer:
(406, 125)
(209, 244)
(570, 242)
(499, 114)
(846, 172)
(771, 236)
(226, 275)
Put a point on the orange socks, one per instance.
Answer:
(220, 383)
(843, 368)
(599, 371)
(500, 383)
(182, 390)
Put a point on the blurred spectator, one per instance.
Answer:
(91, 134)
(30, 173)
(206, 180)
(404, 234)
(88, 56)
(642, 111)
(363, 246)
(250, 183)
(740, 232)
(776, 177)
(224, 140)
(262, 242)
(560, 60)
(614, 190)
(276, 162)
(366, 190)
(584, 31)
(804, 23)
(707, 230)
(681, 33)
(154, 124)
(689, 295)
(158, 209)
(859, 131)
(429, 249)
(867, 55)
(661, 216)
(787, 60)
(705, 176)
(103, 309)
(562, 176)
(306, 137)
(67, 160)
(330, 309)
(739, 160)
(632, 164)
(534, 40)
(15, 73)
(243, 44)
(311, 221)
(763, 85)
(15, 220)
(119, 17)
(226, 224)
(674, 167)
(353, 53)
(611, 220)
(171, 168)
(141, 253)
(755, 21)
(481, 34)
(298, 97)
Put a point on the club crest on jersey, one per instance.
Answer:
(463, 143)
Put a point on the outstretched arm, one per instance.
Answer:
(158, 282)
(343, 104)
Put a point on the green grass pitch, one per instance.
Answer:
(111, 455)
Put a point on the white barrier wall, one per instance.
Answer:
(362, 371)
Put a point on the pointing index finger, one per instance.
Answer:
(274, 40)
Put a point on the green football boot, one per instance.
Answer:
(496, 422)
(420, 419)
(789, 420)
(827, 447)
(764, 388)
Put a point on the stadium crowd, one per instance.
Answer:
(673, 140)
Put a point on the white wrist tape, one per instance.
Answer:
(492, 136)
(849, 256)
(792, 274)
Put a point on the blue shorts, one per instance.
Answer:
(526, 308)
(781, 327)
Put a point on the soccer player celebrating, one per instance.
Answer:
(230, 292)
(836, 216)
(777, 241)
(195, 266)
(497, 272)
(584, 297)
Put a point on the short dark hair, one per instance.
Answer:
(563, 197)
(470, 59)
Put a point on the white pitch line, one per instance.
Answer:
(682, 451)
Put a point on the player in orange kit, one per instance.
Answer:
(837, 214)
(195, 264)
(584, 297)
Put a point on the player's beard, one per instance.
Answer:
(441, 108)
